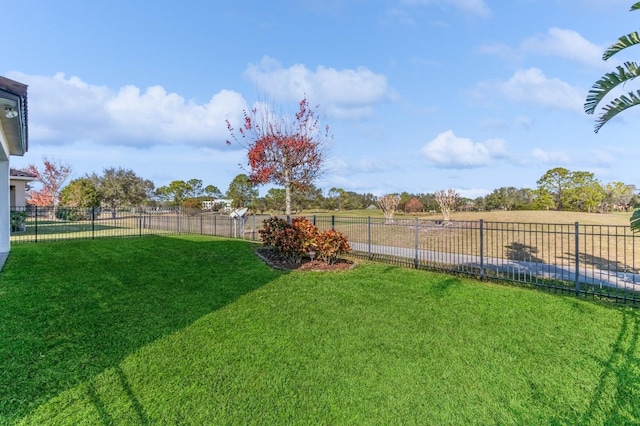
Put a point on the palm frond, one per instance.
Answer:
(608, 82)
(636, 6)
(635, 218)
(623, 42)
(616, 106)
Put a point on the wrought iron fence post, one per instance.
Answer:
(36, 225)
(140, 220)
(253, 227)
(577, 241)
(333, 222)
(369, 237)
(415, 259)
(201, 225)
(481, 249)
(314, 220)
(179, 220)
(93, 222)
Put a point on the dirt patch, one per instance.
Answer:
(273, 259)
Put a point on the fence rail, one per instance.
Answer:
(38, 224)
(596, 260)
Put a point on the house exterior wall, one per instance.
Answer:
(4, 145)
(5, 214)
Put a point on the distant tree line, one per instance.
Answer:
(557, 189)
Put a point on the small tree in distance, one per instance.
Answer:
(388, 205)
(121, 188)
(51, 177)
(413, 206)
(447, 201)
(212, 192)
(242, 192)
(80, 192)
(282, 151)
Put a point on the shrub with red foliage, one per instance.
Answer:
(286, 240)
(309, 232)
(331, 244)
(293, 241)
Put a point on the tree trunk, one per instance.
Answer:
(287, 195)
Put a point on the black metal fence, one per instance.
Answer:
(38, 224)
(595, 260)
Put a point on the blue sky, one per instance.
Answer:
(420, 95)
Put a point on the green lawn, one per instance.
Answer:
(196, 330)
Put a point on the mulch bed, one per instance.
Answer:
(273, 259)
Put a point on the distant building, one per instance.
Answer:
(219, 204)
(18, 180)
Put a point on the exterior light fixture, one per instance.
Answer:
(10, 112)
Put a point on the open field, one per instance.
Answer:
(595, 246)
(521, 216)
(196, 330)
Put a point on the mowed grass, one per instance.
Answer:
(196, 330)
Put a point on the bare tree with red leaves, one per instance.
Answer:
(51, 177)
(283, 151)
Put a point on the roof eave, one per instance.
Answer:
(14, 95)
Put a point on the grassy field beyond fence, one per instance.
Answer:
(197, 330)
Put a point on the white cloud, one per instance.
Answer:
(501, 50)
(550, 157)
(450, 151)
(365, 165)
(168, 118)
(567, 44)
(348, 183)
(345, 93)
(606, 157)
(531, 86)
(472, 193)
(64, 110)
(400, 16)
(473, 7)
(557, 42)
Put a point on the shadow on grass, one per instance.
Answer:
(612, 401)
(101, 407)
(445, 286)
(69, 310)
(604, 263)
(522, 252)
